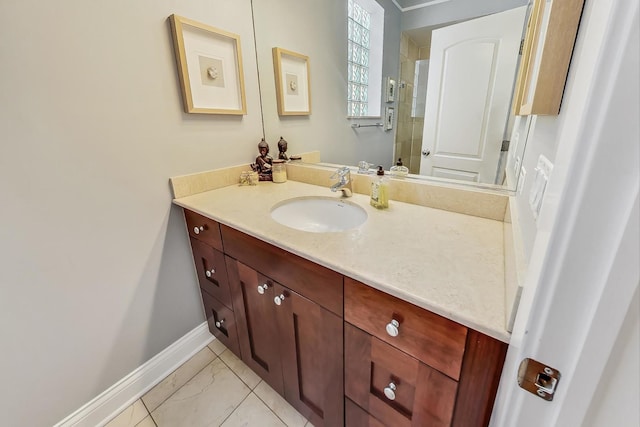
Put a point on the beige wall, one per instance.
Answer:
(95, 273)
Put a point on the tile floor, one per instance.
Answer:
(213, 388)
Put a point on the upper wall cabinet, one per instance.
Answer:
(546, 54)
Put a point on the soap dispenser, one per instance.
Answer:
(380, 190)
(399, 171)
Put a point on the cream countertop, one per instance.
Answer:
(449, 263)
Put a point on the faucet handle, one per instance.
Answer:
(341, 172)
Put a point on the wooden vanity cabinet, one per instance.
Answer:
(332, 346)
(289, 331)
(422, 370)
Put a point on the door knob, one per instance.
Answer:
(210, 273)
(426, 153)
(262, 288)
(393, 328)
(219, 323)
(278, 300)
(390, 391)
(197, 230)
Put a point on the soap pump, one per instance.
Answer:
(380, 190)
(399, 171)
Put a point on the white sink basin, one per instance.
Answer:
(319, 214)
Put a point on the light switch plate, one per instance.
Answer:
(539, 185)
(521, 178)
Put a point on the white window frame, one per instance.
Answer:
(376, 47)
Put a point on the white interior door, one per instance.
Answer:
(579, 310)
(471, 75)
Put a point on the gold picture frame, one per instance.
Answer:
(209, 64)
(293, 82)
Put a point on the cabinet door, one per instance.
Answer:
(254, 306)
(312, 358)
(394, 387)
(355, 416)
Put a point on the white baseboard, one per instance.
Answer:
(119, 396)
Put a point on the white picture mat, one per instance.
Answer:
(298, 66)
(201, 43)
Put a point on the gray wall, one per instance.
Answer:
(95, 272)
(317, 28)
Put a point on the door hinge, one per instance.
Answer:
(538, 378)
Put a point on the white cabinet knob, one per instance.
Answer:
(390, 391)
(197, 230)
(278, 300)
(393, 328)
(262, 288)
(210, 273)
(219, 323)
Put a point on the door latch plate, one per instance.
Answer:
(538, 378)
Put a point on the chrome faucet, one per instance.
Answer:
(343, 175)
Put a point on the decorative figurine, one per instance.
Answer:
(282, 147)
(263, 162)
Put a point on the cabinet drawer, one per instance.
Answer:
(222, 323)
(204, 229)
(212, 271)
(394, 387)
(430, 338)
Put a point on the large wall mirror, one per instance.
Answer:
(454, 64)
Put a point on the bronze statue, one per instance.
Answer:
(263, 162)
(282, 147)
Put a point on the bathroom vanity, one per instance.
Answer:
(387, 324)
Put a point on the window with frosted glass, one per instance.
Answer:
(359, 37)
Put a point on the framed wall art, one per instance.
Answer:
(209, 64)
(292, 78)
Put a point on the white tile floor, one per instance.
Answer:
(213, 388)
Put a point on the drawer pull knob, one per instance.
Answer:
(393, 328)
(390, 391)
(210, 273)
(197, 230)
(278, 300)
(219, 323)
(262, 288)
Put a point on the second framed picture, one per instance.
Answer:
(293, 88)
